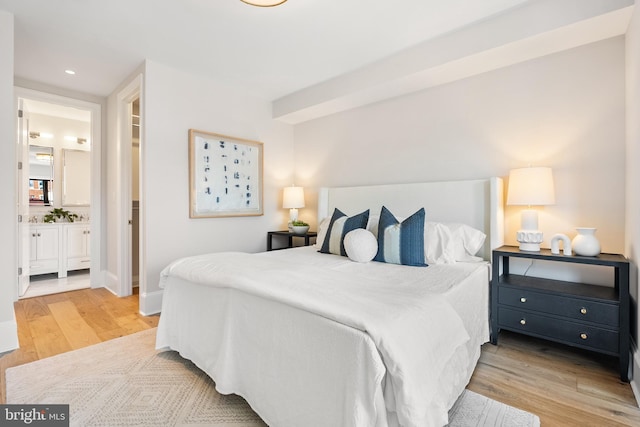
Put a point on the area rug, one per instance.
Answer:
(126, 382)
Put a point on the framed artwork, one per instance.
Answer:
(225, 174)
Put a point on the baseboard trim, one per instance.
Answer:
(98, 280)
(112, 283)
(9, 335)
(151, 303)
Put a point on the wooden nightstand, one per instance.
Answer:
(591, 317)
(307, 236)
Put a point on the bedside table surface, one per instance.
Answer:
(288, 233)
(601, 259)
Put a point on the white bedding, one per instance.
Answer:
(315, 339)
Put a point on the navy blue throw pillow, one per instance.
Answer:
(339, 226)
(401, 243)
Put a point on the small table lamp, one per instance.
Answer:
(292, 199)
(530, 187)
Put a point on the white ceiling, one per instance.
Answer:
(288, 54)
(269, 51)
(55, 110)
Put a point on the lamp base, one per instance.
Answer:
(529, 240)
(293, 216)
(530, 247)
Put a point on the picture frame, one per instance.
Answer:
(225, 174)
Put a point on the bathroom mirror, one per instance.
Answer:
(76, 177)
(40, 175)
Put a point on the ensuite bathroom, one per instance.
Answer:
(56, 196)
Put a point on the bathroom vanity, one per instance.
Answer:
(59, 247)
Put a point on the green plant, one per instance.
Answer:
(299, 223)
(59, 213)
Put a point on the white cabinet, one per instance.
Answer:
(58, 248)
(78, 246)
(44, 248)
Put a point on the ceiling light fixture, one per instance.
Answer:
(34, 135)
(75, 139)
(70, 72)
(263, 3)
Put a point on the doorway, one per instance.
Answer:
(129, 184)
(59, 194)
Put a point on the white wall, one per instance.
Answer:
(8, 214)
(173, 102)
(564, 110)
(633, 177)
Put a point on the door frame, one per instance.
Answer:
(23, 241)
(97, 278)
(125, 98)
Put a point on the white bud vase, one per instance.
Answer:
(586, 243)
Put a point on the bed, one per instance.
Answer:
(311, 339)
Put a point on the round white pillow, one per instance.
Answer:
(360, 245)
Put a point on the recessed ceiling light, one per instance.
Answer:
(263, 3)
(70, 72)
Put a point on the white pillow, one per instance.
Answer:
(467, 241)
(446, 243)
(360, 245)
(438, 244)
(322, 231)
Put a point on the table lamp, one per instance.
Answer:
(292, 199)
(532, 186)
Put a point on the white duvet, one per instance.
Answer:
(414, 328)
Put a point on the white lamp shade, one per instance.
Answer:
(531, 187)
(293, 198)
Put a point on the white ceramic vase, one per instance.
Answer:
(586, 243)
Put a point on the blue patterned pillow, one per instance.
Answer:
(339, 226)
(401, 243)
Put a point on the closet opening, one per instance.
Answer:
(135, 193)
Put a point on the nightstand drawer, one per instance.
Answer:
(560, 330)
(573, 308)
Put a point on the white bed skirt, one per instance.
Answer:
(295, 368)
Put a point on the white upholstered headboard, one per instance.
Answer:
(478, 203)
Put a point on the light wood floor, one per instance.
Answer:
(53, 324)
(563, 386)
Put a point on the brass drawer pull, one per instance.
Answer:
(583, 310)
(583, 336)
(523, 299)
(523, 321)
